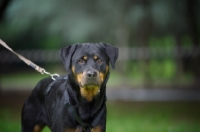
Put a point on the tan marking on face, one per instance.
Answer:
(107, 69)
(97, 129)
(79, 78)
(89, 92)
(85, 57)
(73, 69)
(102, 76)
(37, 128)
(95, 57)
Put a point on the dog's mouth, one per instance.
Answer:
(90, 85)
(88, 82)
(89, 88)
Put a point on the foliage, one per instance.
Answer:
(166, 25)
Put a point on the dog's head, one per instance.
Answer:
(89, 64)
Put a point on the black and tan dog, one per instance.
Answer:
(75, 102)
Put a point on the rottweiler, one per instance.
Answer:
(75, 102)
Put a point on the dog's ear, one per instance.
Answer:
(66, 55)
(112, 53)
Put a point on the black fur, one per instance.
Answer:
(47, 109)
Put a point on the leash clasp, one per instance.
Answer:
(52, 75)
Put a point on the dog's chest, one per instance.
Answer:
(85, 112)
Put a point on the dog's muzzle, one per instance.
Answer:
(90, 79)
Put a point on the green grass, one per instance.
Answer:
(132, 117)
(152, 117)
(7, 121)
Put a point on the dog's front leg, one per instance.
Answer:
(77, 129)
(98, 129)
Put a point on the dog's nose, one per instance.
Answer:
(91, 74)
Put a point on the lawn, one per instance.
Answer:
(131, 117)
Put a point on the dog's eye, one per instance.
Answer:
(81, 61)
(99, 61)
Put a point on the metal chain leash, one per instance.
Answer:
(30, 63)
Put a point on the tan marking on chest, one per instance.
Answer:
(89, 93)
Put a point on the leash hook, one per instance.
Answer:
(52, 75)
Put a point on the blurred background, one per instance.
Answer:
(156, 84)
